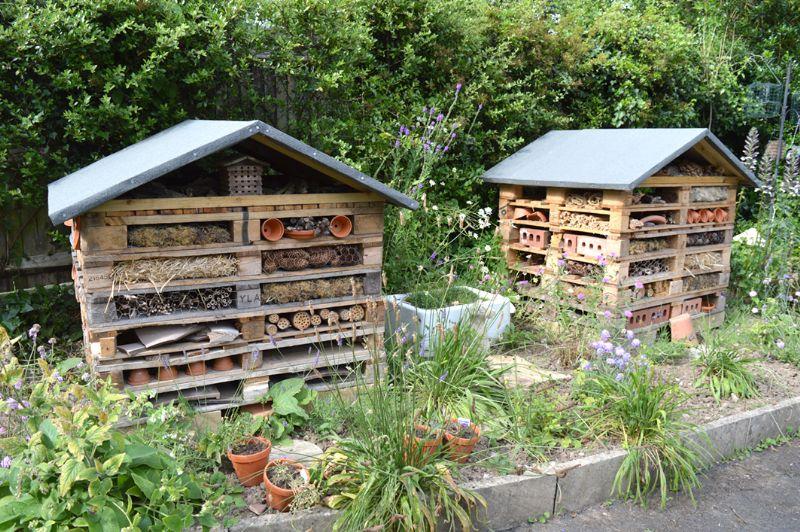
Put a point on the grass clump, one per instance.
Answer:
(644, 413)
(442, 297)
(538, 423)
(724, 371)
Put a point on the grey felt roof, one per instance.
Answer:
(616, 159)
(178, 146)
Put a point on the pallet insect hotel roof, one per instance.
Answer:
(636, 221)
(216, 255)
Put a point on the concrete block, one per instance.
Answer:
(512, 500)
(586, 481)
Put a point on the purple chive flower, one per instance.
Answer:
(439, 117)
(42, 352)
(33, 332)
(5, 463)
(446, 148)
(26, 404)
(59, 378)
(443, 376)
(316, 358)
(630, 335)
(458, 88)
(340, 340)
(618, 377)
(605, 335)
(272, 340)
(12, 403)
(606, 279)
(779, 344)
(18, 385)
(561, 263)
(480, 106)
(638, 285)
(2, 430)
(397, 144)
(522, 283)
(52, 341)
(433, 256)
(628, 314)
(581, 296)
(607, 314)
(587, 366)
(636, 342)
(254, 354)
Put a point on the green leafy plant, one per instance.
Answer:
(645, 414)
(441, 297)
(290, 401)
(724, 371)
(538, 424)
(379, 479)
(78, 470)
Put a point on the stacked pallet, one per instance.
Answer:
(653, 259)
(123, 292)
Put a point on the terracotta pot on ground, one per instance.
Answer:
(521, 212)
(692, 216)
(681, 327)
(196, 368)
(720, 215)
(280, 498)
(461, 448)
(272, 229)
(706, 215)
(707, 307)
(341, 226)
(222, 364)
(429, 446)
(537, 216)
(656, 219)
(137, 377)
(167, 373)
(301, 234)
(250, 467)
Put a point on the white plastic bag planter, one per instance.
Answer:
(490, 316)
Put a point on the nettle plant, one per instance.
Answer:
(444, 239)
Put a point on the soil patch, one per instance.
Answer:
(285, 476)
(454, 428)
(250, 447)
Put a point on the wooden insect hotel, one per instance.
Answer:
(642, 218)
(217, 255)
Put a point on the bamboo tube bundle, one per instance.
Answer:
(316, 320)
(283, 324)
(273, 318)
(301, 320)
(356, 313)
(272, 329)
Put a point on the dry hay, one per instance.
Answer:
(648, 267)
(699, 194)
(317, 257)
(161, 236)
(143, 305)
(657, 288)
(703, 261)
(582, 221)
(647, 245)
(592, 200)
(583, 269)
(160, 272)
(705, 239)
(701, 282)
(294, 291)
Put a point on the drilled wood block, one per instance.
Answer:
(252, 328)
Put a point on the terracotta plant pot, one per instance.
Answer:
(137, 377)
(341, 226)
(280, 498)
(168, 373)
(707, 307)
(461, 448)
(222, 364)
(196, 368)
(272, 229)
(706, 215)
(655, 219)
(681, 327)
(250, 467)
(521, 212)
(537, 216)
(431, 445)
(75, 232)
(720, 215)
(693, 216)
(300, 234)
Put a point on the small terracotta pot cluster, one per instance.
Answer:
(458, 449)
(273, 229)
(140, 376)
(703, 216)
(253, 469)
(525, 213)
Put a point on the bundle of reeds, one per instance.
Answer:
(160, 272)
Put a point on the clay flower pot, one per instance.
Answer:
(222, 364)
(196, 368)
(521, 212)
(720, 215)
(537, 216)
(692, 216)
(341, 226)
(429, 446)
(250, 467)
(75, 232)
(707, 307)
(280, 498)
(137, 377)
(655, 219)
(461, 448)
(706, 215)
(272, 229)
(167, 373)
(301, 234)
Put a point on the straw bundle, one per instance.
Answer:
(305, 290)
(160, 272)
(159, 236)
(703, 261)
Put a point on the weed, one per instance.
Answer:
(724, 371)
(537, 424)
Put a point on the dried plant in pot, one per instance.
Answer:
(249, 457)
(462, 435)
(283, 479)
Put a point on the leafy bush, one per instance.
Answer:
(537, 424)
(441, 297)
(54, 308)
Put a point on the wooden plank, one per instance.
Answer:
(287, 211)
(373, 256)
(233, 201)
(104, 238)
(364, 224)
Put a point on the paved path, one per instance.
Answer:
(759, 492)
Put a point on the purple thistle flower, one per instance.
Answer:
(6, 462)
(628, 314)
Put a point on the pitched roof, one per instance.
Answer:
(187, 142)
(618, 159)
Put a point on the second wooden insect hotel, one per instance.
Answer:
(217, 255)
